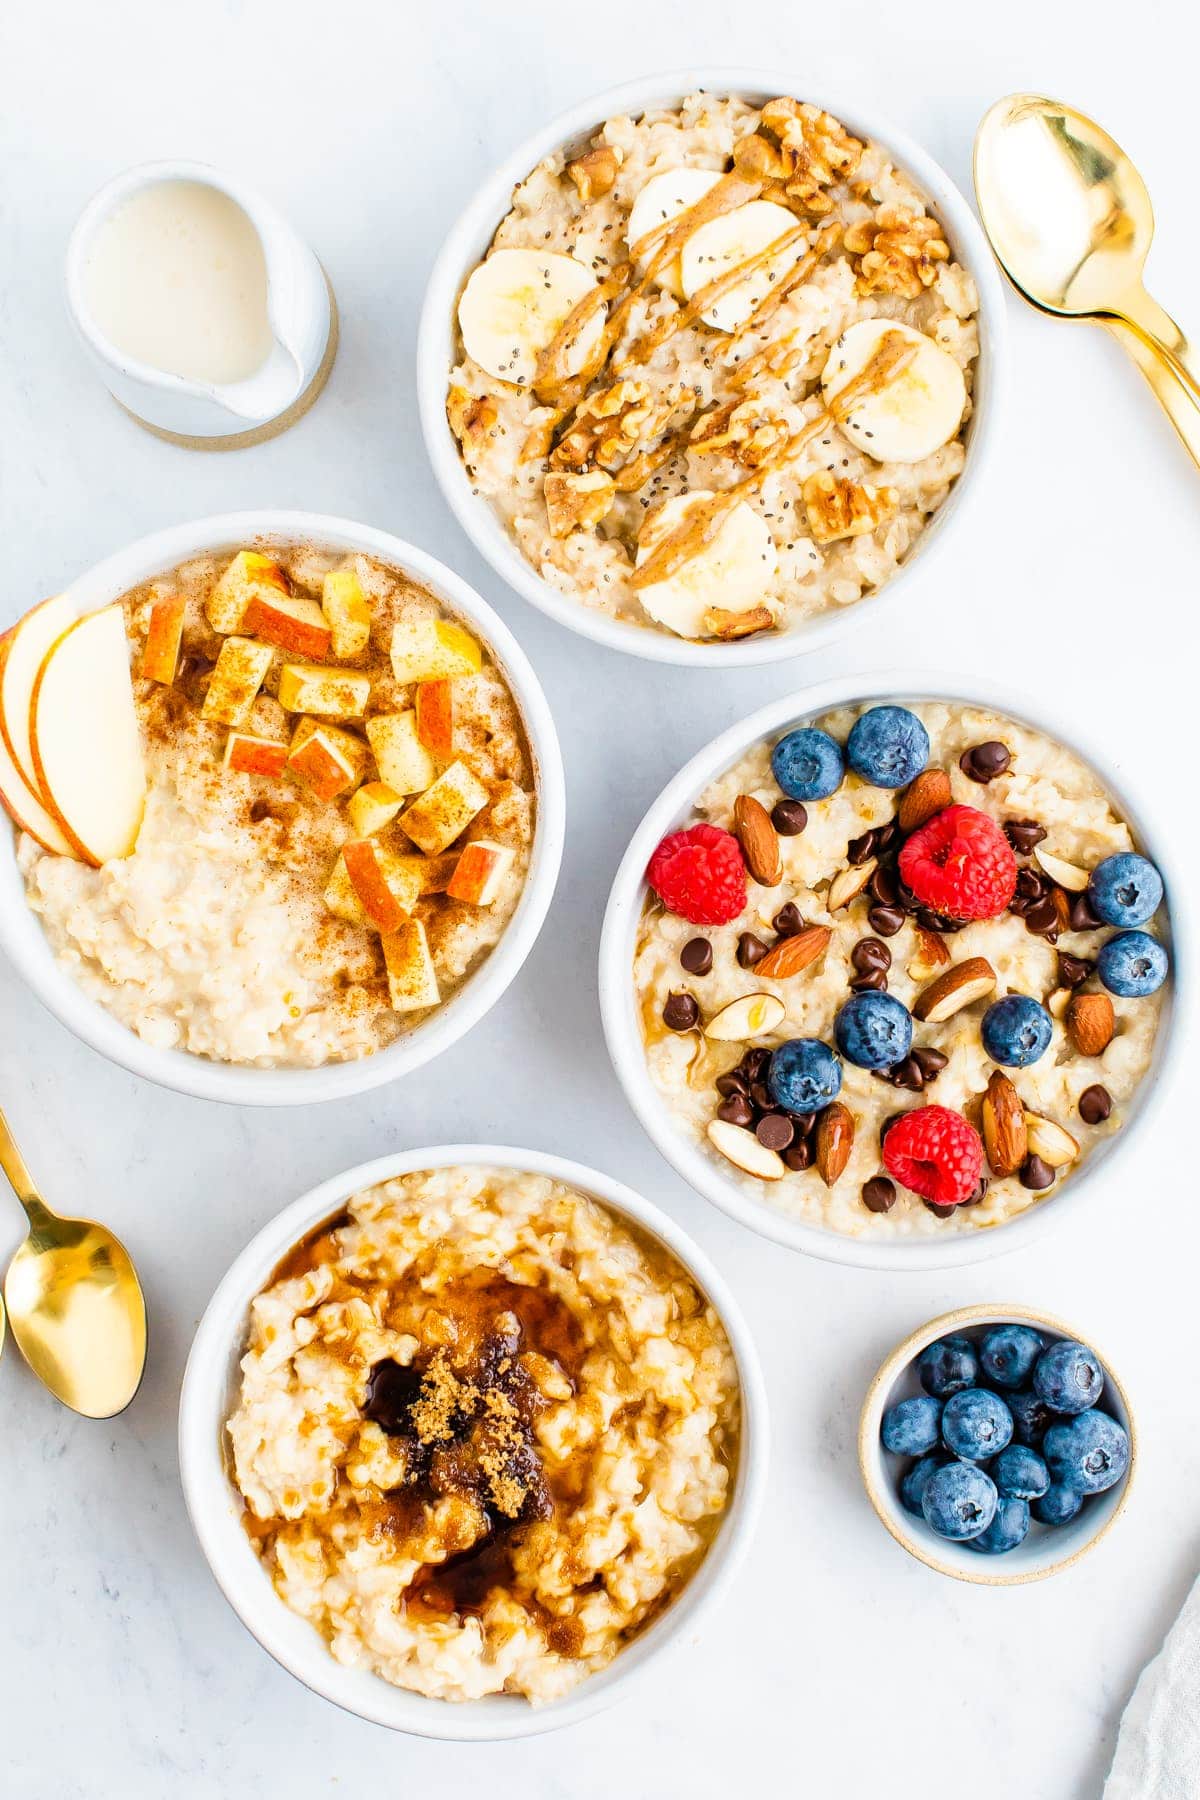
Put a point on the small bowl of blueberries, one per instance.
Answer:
(996, 1445)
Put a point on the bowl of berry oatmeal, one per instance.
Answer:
(287, 806)
(468, 1436)
(887, 971)
(708, 363)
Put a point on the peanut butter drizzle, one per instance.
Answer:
(821, 245)
(704, 520)
(705, 297)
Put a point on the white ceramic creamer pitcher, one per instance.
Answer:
(301, 317)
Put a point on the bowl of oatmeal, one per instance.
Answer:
(468, 1435)
(940, 994)
(303, 807)
(707, 362)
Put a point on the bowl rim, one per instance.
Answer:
(21, 934)
(209, 1494)
(468, 239)
(619, 1015)
(887, 1505)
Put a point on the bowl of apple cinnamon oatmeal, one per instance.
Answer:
(709, 364)
(889, 970)
(287, 807)
(468, 1435)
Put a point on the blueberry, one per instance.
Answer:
(1031, 1417)
(1057, 1505)
(1016, 1031)
(913, 1485)
(976, 1424)
(804, 1075)
(888, 746)
(874, 1030)
(1132, 965)
(910, 1428)
(1007, 1529)
(1020, 1474)
(1068, 1377)
(1125, 889)
(1008, 1354)
(808, 764)
(1089, 1453)
(948, 1365)
(959, 1501)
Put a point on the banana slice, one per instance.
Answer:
(514, 303)
(915, 412)
(727, 241)
(732, 573)
(663, 198)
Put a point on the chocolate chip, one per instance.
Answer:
(873, 981)
(1072, 970)
(681, 1012)
(979, 1194)
(886, 920)
(1041, 918)
(804, 1124)
(789, 817)
(869, 954)
(860, 849)
(884, 887)
(799, 1155)
(1031, 884)
(1023, 834)
(1095, 1104)
(942, 922)
(879, 1194)
(750, 950)
(983, 762)
(788, 920)
(732, 1083)
(930, 1062)
(755, 1063)
(1082, 916)
(761, 1096)
(696, 956)
(1036, 1174)
(907, 1074)
(775, 1131)
(736, 1110)
(941, 1212)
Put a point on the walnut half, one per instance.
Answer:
(472, 417)
(595, 171)
(896, 252)
(577, 502)
(747, 429)
(815, 152)
(838, 508)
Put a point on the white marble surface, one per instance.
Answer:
(839, 1666)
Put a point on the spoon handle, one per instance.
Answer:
(1177, 394)
(1162, 333)
(13, 1164)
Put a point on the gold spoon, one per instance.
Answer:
(74, 1302)
(1070, 221)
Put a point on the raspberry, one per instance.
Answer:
(960, 864)
(936, 1153)
(700, 875)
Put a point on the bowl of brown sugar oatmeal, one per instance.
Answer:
(468, 1435)
(708, 364)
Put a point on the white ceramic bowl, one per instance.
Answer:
(468, 241)
(623, 1032)
(209, 1395)
(1046, 1551)
(24, 942)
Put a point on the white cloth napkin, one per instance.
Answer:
(1158, 1746)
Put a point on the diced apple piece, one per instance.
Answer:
(403, 882)
(412, 980)
(444, 811)
(160, 653)
(404, 762)
(83, 732)
(347, 611)
(334, 693)
(433, 649)
(24, 807)
(373, 806)
(246, 754)
(250, 576)
(22, 652)
(480, 873)
(289, 620)
(387, 897)
(435, 718)
(233, 685)
(322, 761)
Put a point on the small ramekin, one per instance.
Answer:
(1046, 1551)
(209, 1395)
(468, 241)
(620, 1014)
(26, 945)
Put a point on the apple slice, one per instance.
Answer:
(21, 653)
(160, 653)
(26, 810)
(83, 732)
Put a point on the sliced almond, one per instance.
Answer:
(747, 1017)
(728, 625)
(1005, 1134)
(966, 981)
(835, 1140)
(759, 840)
(1050, 1141)
(848, 884)
(1058, 869)
(931, 956)
(923, 798)
(743, 1149)
(1091, 1023)
(1058, 1003)
(792, 954)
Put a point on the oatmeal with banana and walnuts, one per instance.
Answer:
(715, 372)
(486, 1432)
(338, 820)
(902, 971)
